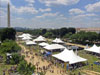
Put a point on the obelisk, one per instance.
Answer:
(8, 14)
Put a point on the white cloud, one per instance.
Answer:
(59, 2)
(4, 2)
(76, 11)
(47, 15)
(30, 1)
(45, 10)
(25, 9)
(84, 16)
(93, 7)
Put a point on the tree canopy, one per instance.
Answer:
(7, 33)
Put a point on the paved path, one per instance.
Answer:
(38, 59)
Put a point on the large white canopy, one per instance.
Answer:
(40, 39)
(57, 40)
(54, 47)
(69, 56)
(25, 35)
(30, 43)
(94, 49)
(26, 38)
(43, 44)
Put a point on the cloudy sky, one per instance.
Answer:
(51, 13)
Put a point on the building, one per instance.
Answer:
(97, 30)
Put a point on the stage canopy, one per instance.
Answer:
(57, 40)
(94, 49)
(54, 47)
(30, 43)
(40, 39)
(69, 56)
(43, 44)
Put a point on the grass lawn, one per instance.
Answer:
(4, 67)
(91, 59)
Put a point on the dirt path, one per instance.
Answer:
(34, 59)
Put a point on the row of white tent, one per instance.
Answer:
(66, 55)
(27, 36)
(94, 49)
(46, 46)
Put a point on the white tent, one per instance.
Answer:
(40, 39)
(57, 40)
(30, 43)
(94, 49)
(26, 38)
(25, 35)
(43, 44)
(54, 47)
(69, 56)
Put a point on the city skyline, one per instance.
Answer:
(51, 13)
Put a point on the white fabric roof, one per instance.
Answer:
(57, 40)
(54, 47)
(40, 38)
(30, 43)
(26, 38)
(69, 56)
(43, 44)
(25, 35)
(94, 49)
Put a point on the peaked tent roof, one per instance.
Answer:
(30, 43)
(57, 40)
(43, 44)
(24, 35)
(69, 56)
(40, 38)
(26, 38)
(54, 47)
(94, 49)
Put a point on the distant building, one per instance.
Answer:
(97, 30)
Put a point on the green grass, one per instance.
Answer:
(4, 67)
(91, 59)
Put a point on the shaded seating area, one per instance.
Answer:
(94, 50)
(54, 47)
(70, 59)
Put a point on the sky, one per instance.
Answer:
(51, 13)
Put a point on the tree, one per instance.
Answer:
(9, 46)
(72, 30)
(7, 33)
(25, 69)
(16, 58)
(68, 35)
(48, 34)
(63, 31)
(44, 31)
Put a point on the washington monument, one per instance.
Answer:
(8, 14)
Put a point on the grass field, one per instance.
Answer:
(4, 67)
